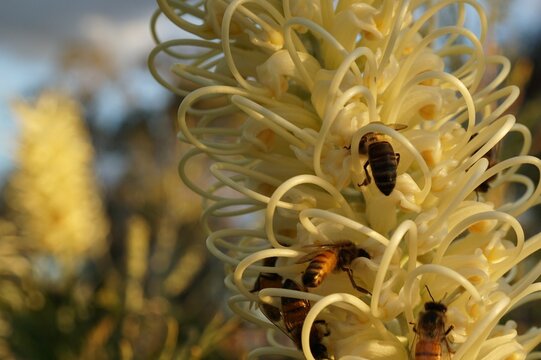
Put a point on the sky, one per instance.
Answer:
(34, 32)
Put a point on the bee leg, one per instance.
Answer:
(352, 280)
(449, 330)
(449, 350)
(397, 158)
(368, 179)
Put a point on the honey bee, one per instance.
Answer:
(329, 258)
(294, 312)
(269, 280)
(431, 332)
(382, 159)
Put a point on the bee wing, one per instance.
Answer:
(276, 321)
(271, 312)
(398, 126)
(395, 126)
(308, 257)
(324, 246)
(280, 325)
(320, 248)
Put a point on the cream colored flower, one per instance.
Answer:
(281, 103)
(53, 191)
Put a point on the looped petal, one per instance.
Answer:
(287, 102)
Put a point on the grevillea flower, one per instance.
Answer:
(53, 191)
(281, 95)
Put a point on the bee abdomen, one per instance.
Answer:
(318, 268)
(294, 310)
(312, 278)
(296, 313)
(428, 350)
(384, 163)
(265, 281)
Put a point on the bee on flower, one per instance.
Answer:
(365, 123)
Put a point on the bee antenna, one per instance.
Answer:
(429, 293)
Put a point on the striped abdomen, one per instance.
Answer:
(428, 350)
(294, 312)
(266, 281)
(269, 280)
(322, 264)
(383, 162)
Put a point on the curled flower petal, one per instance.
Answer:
(308, 110)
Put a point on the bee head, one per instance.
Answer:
(366, 140)
(349, 253)
(435, 306)
(363, 253)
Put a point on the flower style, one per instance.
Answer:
(282, 95)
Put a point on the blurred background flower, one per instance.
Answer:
(102, 255)
(137, 283)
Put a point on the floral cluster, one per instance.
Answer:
(282, 97)
(52, 192)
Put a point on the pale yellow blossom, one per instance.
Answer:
(53, 192)
(303, 84)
